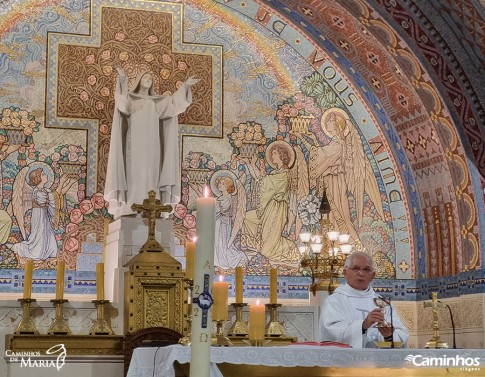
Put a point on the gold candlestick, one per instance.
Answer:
(26, 325)
(274, 327)
(220, 339)
(100, 325)
(239, 327)
(59, 324)
(186, 339)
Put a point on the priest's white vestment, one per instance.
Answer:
(343, 313)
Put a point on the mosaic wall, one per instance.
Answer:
(274, 121)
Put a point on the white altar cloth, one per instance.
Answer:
(158, 362)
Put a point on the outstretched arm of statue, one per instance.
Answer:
(122, 100)
(191, 81)
(177, 103)
(122, 82)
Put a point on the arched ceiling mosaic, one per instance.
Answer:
(408, 74)
(424, 61)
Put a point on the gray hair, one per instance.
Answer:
(350, 258)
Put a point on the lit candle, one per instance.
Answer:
(61, 265)
(29, 266)
(189, 259)
(221, 294)
(257, 321)
(100, 281)
(239, 285)
(273, 286)
(203, 275)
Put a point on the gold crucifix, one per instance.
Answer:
(435, 341)
(151, 209)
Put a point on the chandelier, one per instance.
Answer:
(324, 253)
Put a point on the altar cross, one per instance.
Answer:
(151, 209)
(435, 341)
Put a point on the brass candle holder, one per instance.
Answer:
(274, 327)
(186, 340)
(100, 325)
(59, 324)
(26, 325)
(220, 339)
(239, 327)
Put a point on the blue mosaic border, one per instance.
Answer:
(44, 282)
(464, 283)
(289, 288)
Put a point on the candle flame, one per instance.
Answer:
(257, 301)
(206, 192)
(221, 278)
(194, 239)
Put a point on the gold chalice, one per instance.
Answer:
(382, 303)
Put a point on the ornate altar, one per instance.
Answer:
(154, 282)
(154, 292)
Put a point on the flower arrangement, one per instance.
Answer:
(91, 209)
(71, 158)
(247, 139)
(184, 222)
(308, 211)
(297, 113)
(69, 153)
(196, 166)
(198, 160)
(17, 126)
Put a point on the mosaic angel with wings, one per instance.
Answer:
(32, 192)
(341, 168)
(267, 228)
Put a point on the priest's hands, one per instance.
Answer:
(374, 317)
(386, 331)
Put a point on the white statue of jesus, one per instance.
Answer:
(144, 146)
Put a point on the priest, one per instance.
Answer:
(350, 314)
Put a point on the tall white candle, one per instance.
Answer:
(202, 290)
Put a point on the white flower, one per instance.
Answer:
(308, 210)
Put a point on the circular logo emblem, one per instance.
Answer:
(204, 300)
